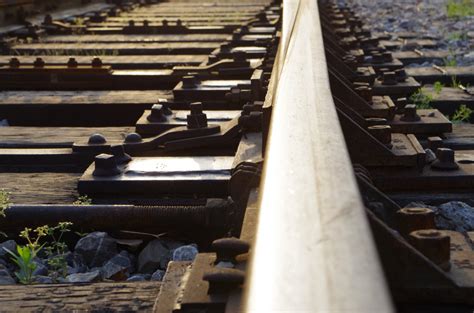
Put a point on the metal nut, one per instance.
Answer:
(411, 219)
(105, 165)
(382, 133)
(445, 160)
(228, 248)
(435, 245)
(410, 114)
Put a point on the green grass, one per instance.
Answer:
(421, 99)
(83, 200)
(438, 86)
(4, 202)
(459, 8)
(462, 114)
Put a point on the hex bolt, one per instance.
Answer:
(164, 23)
(262, 17)
(179, 23)
(131, 23)
(72, 63)
(389, 78)
(411, 219)
(133, 138)
(365, 92)
(434, 143)
(39, 63)
(105, 165)
(146, 23)
(445, 160)
(14, 63)
(227, 249)
(157, 114)
(382, 133)
(401, 75)
(410, 114)
(401, 103)
(189, 81)
(251, 122)
(97, 139)
(435, 245)
(374, 121)
(96, 62)
(119, 153)
(197, 119)
(223, 280)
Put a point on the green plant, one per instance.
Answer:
(438, 86)
(26, 254)
(56, 249)
(455, 82)
(462, 114)
(25, 263)
(4, 201)
(83, 200)
(450, 61)
(421, 99)
(459, 8)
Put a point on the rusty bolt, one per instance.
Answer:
(133, 138)
(411, 219)
(382, 133)
(434, 143)
(131, 23)
(119, 153)
(435, 245)
(164, 22)
(14, 63)
(157, 114)
(105, 165)
(445, 160)
(197, 119)
(97, 139)
(223, 280)
(410, 114)
(96, 62)
(389, 78)
(39, 62)
(228, 248)
(374, 121)
(72, 63)
(179, 22)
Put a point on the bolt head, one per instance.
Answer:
(119, 153)
(97, 139)
(72, 63)
(14, 63)
(383, 133)
(133, 138)
(39, 62)
(445, 160)
(410, 114)
(96, 62)
(105, 165)
(434, 244)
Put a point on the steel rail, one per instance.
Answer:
(314, 251)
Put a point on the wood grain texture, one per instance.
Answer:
(40, 188)
(99, 297)
(55, 137)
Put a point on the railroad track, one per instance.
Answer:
(254, 155)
